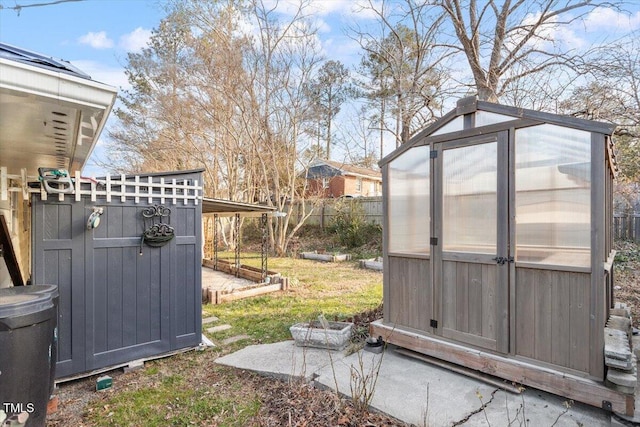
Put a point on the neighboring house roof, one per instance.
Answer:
(329, 168)
(52, 113)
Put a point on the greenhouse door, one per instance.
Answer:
(471, 226)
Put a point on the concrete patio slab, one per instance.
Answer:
(414, 391)
(422, 394)
(282, 360)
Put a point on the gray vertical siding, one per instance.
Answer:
(410, 298)
(117, 305)
(552, 315)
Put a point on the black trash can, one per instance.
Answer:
(52, 290)
(27, 318)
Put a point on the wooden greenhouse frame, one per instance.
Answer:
(498, 247)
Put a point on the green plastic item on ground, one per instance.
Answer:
(104, 382)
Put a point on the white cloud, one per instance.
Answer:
(343, 49)
(358, 9)
(136, 40)
(327, 7)
(611, 20)
(96, 40)
(547, 36)
(322, 25)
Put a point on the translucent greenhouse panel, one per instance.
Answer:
(409, 202)
(553, 195)
(470, 198)
(485, 118)
(454, 125)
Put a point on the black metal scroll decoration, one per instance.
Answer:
(157, 233)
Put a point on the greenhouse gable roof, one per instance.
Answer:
(473, 117)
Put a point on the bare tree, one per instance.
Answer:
(613, 95)
(506, 41)
(401, 64)
(328, 91)
(156, 130)
(358, 136)
(280, 64)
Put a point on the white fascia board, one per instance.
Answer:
(60, 86)
(63, 89)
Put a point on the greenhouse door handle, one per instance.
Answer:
(502, 260)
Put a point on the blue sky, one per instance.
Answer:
(95, 35)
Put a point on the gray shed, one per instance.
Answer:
(498, 247)
(121, 298)
(130, 286)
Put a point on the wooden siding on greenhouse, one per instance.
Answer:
(498, 247)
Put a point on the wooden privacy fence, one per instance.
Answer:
(626, 227)
(325, 212)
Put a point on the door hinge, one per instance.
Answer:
(433, 323)
(433, 154)
(434, 241)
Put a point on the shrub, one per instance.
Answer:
(350, 227)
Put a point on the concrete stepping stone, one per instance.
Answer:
(622, 378)
(218, 328)
(616, 345)
(622, 365)
(211, 319)
(620, 388)
(623, 312)
(237, 338)
(635, 341)
(620, 323)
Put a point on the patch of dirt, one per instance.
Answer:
(300, 404)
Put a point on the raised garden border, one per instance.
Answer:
(275, 282)
(372, 264)
(325, 257)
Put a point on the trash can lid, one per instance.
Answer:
(23, 300)
(45, 289)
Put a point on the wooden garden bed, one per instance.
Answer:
(274, 282)
(325, 257)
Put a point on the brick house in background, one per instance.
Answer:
(335, 179)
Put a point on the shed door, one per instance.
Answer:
(471, 264)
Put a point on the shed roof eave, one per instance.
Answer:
(213, 206)
(33, 94)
